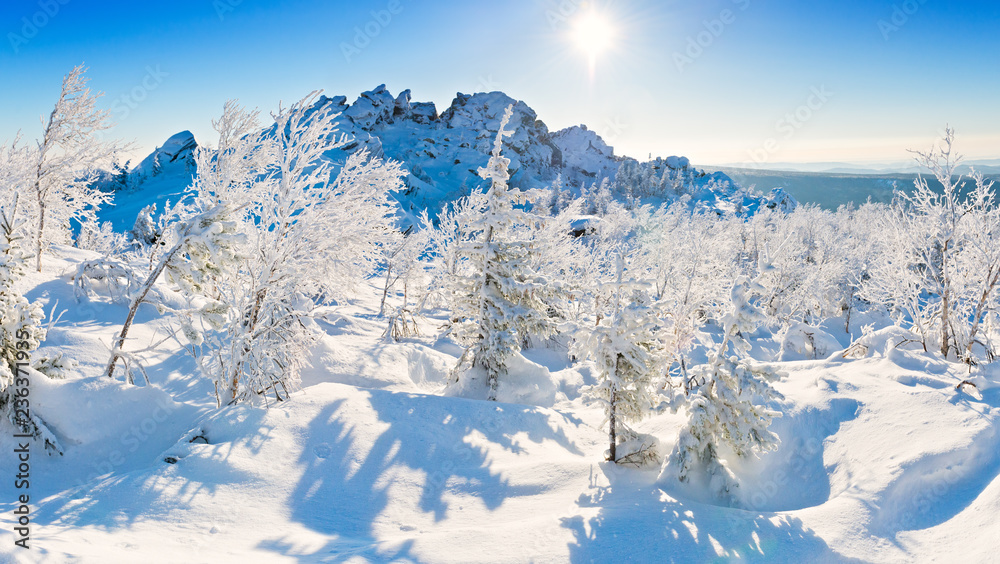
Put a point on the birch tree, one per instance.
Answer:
(65, 162)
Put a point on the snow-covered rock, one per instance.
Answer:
(782, 201)
(583, 151)
(177, 152)
(443, 151)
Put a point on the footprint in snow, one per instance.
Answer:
(323, 450)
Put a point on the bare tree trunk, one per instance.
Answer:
(493, 380)
(944, 324)
(251, 325)
(41, 229)
(850, 307)
(134, 307)
(613, 456)
(613, 419)
(992, 278)
(385, 290)
(945, 299)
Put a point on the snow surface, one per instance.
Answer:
(882, 459)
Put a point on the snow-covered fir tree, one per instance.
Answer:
(628, 357)
(555, 194)
(21, 333)
(497, 300)
(728, 415)
(145, 230)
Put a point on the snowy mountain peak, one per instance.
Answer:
(176, 152)
(442, 153)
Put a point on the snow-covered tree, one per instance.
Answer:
(100, 237)
(565, 199)
(689, 258)
(145, 230)
(21, 333)
(65, 163)
(977, 272)
(602, 197)
(497, 300)
(727, 411)
(555, 193)
(14, 172)
(808, 254)
(120, 176)
(313, 235)
(940, 265)
(402, 269)
(628, 356)
(204, 229)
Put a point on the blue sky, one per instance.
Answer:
(720, 81)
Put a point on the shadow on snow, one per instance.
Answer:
(345, 492)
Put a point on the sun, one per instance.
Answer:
(593, 34)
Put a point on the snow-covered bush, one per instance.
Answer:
(109, 275)
(403, 269)
(807, 254)
(205, 228)
(691, 261)
(101, 238)
(145, 230)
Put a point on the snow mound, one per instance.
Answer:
(526, 382)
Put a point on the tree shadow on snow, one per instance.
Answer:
(638, 522)
(345, 492)
(152, 493)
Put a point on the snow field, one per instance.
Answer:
(881, 459)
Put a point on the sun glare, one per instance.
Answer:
(593, 34)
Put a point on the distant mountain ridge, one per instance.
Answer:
(985, 166)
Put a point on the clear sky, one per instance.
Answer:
(720, 81)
